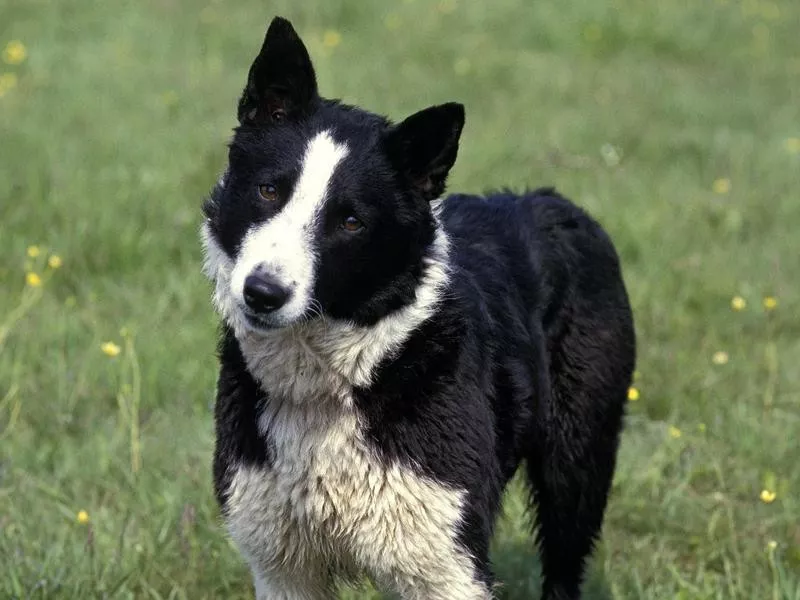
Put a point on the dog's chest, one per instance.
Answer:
(328, 501)
(315, 490)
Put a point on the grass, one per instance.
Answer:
(113, 126)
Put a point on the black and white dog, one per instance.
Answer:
(389, 358)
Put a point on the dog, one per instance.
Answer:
(390, 357)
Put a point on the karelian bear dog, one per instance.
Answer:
(390, 356)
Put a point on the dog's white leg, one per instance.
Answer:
(273, 586)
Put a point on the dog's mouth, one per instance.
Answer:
(259, 323)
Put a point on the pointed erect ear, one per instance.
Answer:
(423, 148)
(281, 83)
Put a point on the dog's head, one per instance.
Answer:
(324, 209)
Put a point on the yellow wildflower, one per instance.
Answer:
(768, 496)
(331, 38)
(14, 52)
(771, 545)
(32, 279)
(770, 303)
(793, 145)
(720, 357)
(54, 262)
(701, 427)
(674, 432)
(110, 349)
(633, 394)
(738, 303)
(33, 251)
(721, 185)
(83, 517)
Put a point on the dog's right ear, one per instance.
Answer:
(281, 83)
(424, 147)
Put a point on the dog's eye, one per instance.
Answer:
(278, 115)
(352, 224)
(268, 192)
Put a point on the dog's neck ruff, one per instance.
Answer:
(325, 356)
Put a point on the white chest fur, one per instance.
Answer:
(328, 503)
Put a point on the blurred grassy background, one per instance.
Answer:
(676, 123)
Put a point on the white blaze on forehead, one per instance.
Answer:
(284, 245)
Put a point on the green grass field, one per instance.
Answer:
(676, 123)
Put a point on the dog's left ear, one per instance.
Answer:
(424, 147)
(281, 83)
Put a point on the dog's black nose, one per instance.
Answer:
(263, 294)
